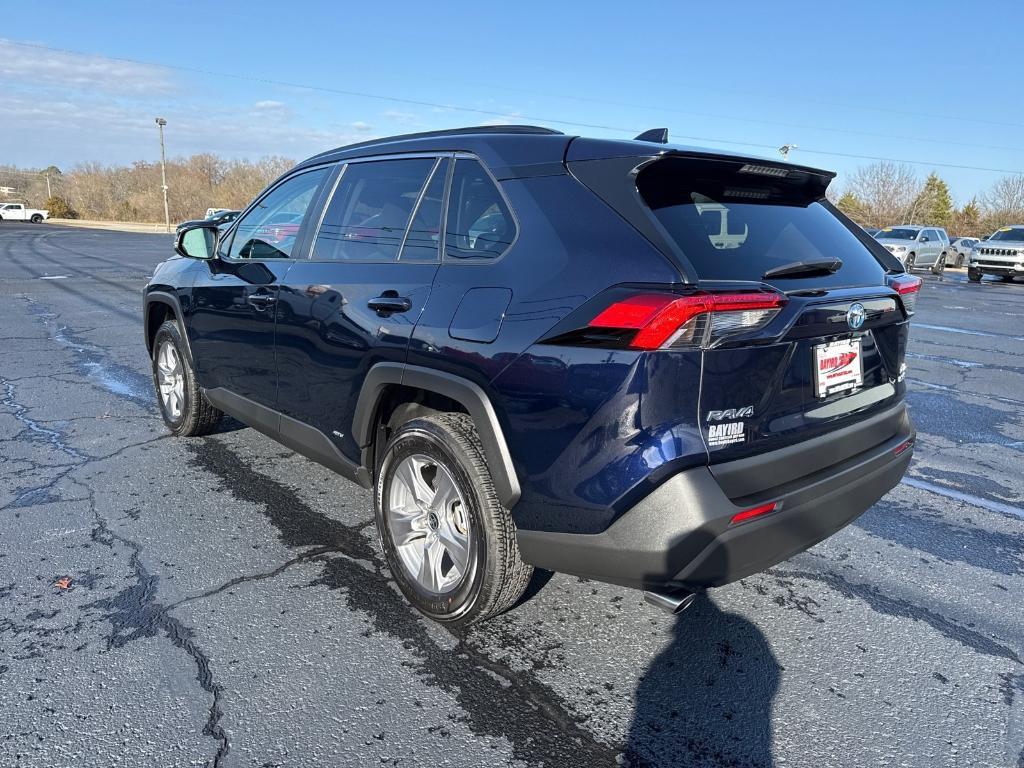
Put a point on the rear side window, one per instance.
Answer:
(423, 241)
(736, 224)
(370, 210)
(480, 225)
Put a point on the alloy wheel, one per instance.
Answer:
(170, 380)
(429, 525)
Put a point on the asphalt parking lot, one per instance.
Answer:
(220, 600)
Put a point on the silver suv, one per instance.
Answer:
(1001, 254)
(916, 246)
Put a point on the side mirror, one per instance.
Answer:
(198, 241)
(924, 238)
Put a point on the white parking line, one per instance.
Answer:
(947, 329)
(976, 501)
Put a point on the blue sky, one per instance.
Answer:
(934, 82)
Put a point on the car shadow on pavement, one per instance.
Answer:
(706, 699)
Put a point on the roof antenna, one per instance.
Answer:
(655, 135)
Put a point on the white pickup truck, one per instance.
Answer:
(21, 212)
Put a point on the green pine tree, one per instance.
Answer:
(934, 205)
(851, 206)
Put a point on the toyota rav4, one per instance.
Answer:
(661, 367)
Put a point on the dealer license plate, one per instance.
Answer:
(838, 367)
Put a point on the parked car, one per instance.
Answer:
(871, 230)
(220, 219)
(21, 212)
(916, 246)
(540, 350)
(1002, 254)
(959, 252)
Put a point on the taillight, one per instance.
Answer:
(908, 287)
(664, 321)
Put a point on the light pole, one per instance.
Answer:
(785, 149)
(163, 174)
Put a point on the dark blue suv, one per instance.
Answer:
(652, 365)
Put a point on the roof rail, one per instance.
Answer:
(496, 129)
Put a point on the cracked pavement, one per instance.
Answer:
(228, 606)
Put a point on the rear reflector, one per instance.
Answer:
(748, 514)
(662, 320)
(908, 287)
(902, 447)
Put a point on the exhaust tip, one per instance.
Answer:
(674, 601)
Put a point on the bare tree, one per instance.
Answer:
(885, 192)
(1004, 202)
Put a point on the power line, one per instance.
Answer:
(496, 113)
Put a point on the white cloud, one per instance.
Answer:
(27, 65)
(404, 118)
(361, 127)
(270, 105)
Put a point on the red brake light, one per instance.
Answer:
(747, 514)
(907, 286)
(667, 320)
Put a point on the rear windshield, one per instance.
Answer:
(733, 224)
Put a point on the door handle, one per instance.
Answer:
(388, 303)
(261, 301)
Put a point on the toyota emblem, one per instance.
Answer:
(856, 315)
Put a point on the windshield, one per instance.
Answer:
(732, 225)
(889, 233)
(1009, 233)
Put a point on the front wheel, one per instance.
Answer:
(450, 544)
(909, 263)
(972, 276)
(36, 218)
(184, 407)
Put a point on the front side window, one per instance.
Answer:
(270, 229)
(370, 210)
(479, 223)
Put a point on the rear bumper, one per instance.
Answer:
(681, 534)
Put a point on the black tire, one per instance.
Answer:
(36, 218)
(1006, 278)
(495, 577)
(910, 262)
(197, 416)
(959, 261)
(939, 266)
(973, 277)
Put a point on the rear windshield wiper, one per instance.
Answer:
(804, 269)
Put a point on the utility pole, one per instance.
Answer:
(49, 194)
(163, 174)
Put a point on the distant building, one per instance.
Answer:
(7, 190)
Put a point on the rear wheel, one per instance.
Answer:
(959, 261)
(450, 544)
(940, 265)
(909, 263)
(184, 407)
(36, 218)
